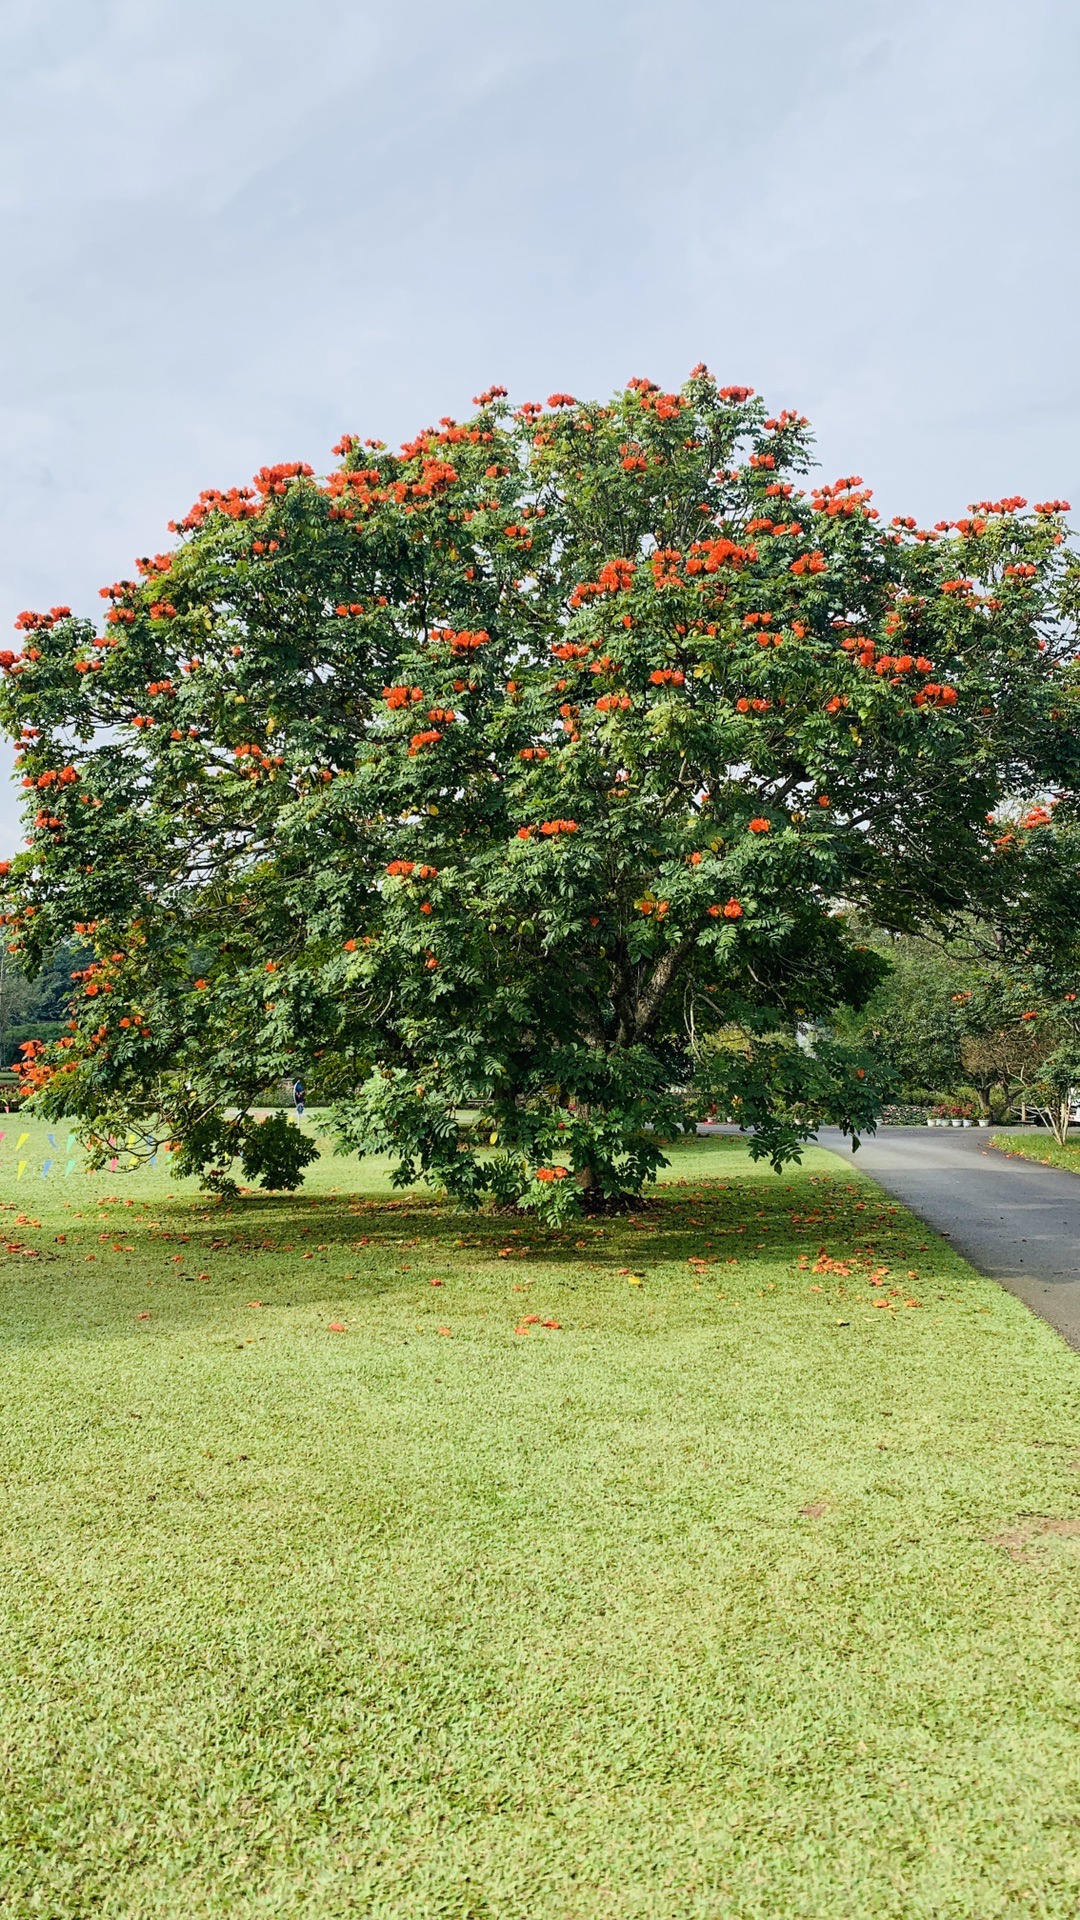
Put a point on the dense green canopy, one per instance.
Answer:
(527, 773)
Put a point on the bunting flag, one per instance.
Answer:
(22, 1170)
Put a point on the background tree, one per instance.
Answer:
(913, 1022)
(34, 1009)
(501, 772)
(1021, 1012)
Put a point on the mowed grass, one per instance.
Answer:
(733, 1594)
(1041, 1146)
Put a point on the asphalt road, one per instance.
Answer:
(1014, 1220)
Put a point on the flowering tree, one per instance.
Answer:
(514, 786)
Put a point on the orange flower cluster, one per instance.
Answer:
(401, 696)
(936, 696)
(841, 500)
(402, 869)
(533, 753)
(275, 480)
(743, 705)
(708, 556)
(548, 827)
(760, 825)
(569, 651)
(238, 504)
(731, 911)
(162, 610)
(666, 406)
(665, 564)
(40, 622)
(464, 642)
(425, 739)
(546, 1174)
(886, 663)
(809, 563)
(55, 777)
(1052, 506)
(666, 676)
(435, 477)
(1012, 505)
(348, 611)
(250, 750)
(33, 1072)
(617, 576)
(613, 702)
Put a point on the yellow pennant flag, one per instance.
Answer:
(22, 1170)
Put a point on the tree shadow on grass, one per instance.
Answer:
(715, 1220)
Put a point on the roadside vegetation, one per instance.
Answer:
(1042, 1147)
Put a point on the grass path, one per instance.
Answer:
(736, 1593)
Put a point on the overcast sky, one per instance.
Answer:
(233, 229)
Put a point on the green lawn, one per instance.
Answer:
(732, 1595)
(1040, 1146)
